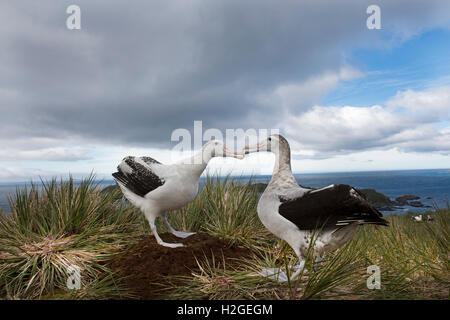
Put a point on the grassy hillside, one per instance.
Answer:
(68, 225)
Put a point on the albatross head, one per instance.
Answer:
(274, 143)
(216, 148)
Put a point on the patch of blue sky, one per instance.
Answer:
(420, 63)
(443, 125)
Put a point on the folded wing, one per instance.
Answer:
(136, 174)
(330, 208)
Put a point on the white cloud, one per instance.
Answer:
(66, 97)
(296, 97)
(425, 138)
(370, 160)
(433, 102)
(42, 149)
(17, 173)
(46, 154)
(335, 129)
(410, 122)
(323, 138)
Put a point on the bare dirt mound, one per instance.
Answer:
(147, 264)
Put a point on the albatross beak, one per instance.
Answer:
(255, 148)
(228, 153)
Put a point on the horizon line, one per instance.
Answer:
(237, 175)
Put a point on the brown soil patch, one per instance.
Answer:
(147, 265)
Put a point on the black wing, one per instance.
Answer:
(138, 178)
(329, 208)
(149, 160)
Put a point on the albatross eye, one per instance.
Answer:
(270, 139)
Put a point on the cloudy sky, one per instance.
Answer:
(346, 97)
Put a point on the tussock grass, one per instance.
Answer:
(225, 208)
(219, 281)
(61, 225)
(66, 224)
(230, 211)
(412, 257)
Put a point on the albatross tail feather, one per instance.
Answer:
(119, 176)
(375, 220)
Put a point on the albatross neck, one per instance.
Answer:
(282, 176)
(198, 162)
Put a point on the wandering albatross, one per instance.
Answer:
(156, 188)
(292, 212)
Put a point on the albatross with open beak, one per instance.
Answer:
(294, 213)
(156, 188)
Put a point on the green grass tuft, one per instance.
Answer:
(225, 208)
(64, 223)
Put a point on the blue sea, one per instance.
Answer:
(432, 186)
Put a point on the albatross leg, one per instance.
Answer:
(319, 259)
(280, 276)
(274, 274)
(151, 220)
(299, 268)
(176, 233)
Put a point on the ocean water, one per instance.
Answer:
(432, 186)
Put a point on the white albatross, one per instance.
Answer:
(156, 188)
(293, 213)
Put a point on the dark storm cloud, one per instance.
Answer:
(139, 69)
